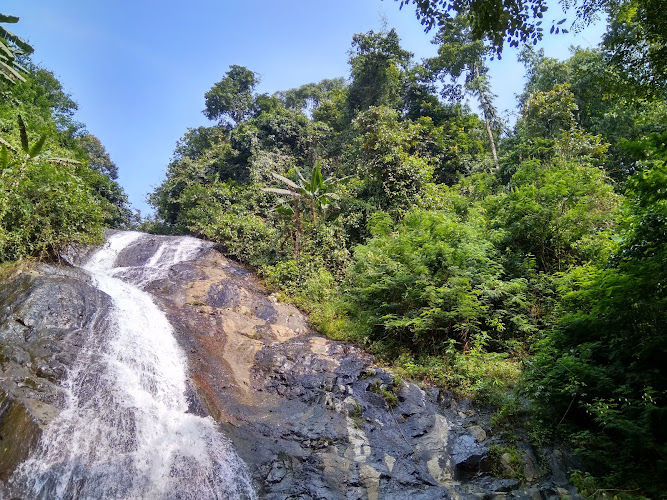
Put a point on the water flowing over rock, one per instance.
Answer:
(151, 372)
(124, 430)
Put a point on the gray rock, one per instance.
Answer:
(45, 315)
(478, 433)
(300, 410)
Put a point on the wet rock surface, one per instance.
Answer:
(45, 315)
(311, 418)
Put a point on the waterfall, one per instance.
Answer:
(125, 432)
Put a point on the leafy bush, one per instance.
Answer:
(44, 208)
(599, 376)
(478, 375)
(245, 237)
(306, 279)
(434, 279)
(552, 212)
(310, 286)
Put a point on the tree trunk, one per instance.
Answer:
(487, 120)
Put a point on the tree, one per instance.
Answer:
(313, 194)
(553, 212)
(11, 47)
(379, 69)
(460, 53)
(232, 97)
(383, 157)
(516, 21)
(430, 280)
(98, 158)
(547, 113)
(598, 378)
(309, 96)
(45, 205)
(606, 103)
(636, 42)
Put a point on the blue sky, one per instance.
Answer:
(139, 69)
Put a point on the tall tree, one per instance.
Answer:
(309, 96)
(598, 379)
(379, 69)
(98, 157)
(232, 97)
(459, 53)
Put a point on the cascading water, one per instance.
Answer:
(125, 431)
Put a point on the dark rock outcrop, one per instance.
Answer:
(307, 414)
(45, 315)
(312, 418)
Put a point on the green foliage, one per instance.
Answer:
(246, 237)
(44, 208)
(309, 97)
(378, 68)
(313, 194)
(98, 157)
(599, 375)
(637, 42)
(516, 22)
(546, 113)
(479, 375)
(46, 131)
(460, 53)
(224, 212)
(392, 176)
(232, 97)
(606, 105)
(388, 392)
(11, 47)
(304, 217)
(505, 461)
(306, 281)
(461, 274)
(455, 147)
(434, 279)
(554, 212)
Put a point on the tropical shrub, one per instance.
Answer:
(434, 279)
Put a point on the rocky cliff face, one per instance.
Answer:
(312, 418)
(45, 312)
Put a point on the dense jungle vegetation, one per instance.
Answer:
(57, 182)
(523, 266)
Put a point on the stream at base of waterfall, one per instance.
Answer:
(125, 431)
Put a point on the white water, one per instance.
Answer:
(125, 432)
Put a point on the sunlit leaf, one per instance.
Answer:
(279, 191)
(4, 156)
(4, 18)
(10, 73)
(20, 42)
(63, 161)
(285, 180)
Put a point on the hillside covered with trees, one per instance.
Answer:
(57, 182)
(508, 265)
